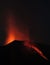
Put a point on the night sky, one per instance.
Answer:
(35, 14)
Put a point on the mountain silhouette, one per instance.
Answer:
(15, 53)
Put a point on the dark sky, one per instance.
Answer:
(36, 15)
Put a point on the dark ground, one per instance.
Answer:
(17, 54)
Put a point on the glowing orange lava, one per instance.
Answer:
(14, 33)
(36, 49)
(10, 37)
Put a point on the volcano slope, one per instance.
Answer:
(15, 53)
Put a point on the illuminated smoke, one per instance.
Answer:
(13, 30)
(10, 30)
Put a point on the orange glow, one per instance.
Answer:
(10, 37)
(14, 31)
(10, 30)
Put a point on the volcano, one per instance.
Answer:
(16, 53)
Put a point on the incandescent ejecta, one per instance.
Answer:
(14, 33)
